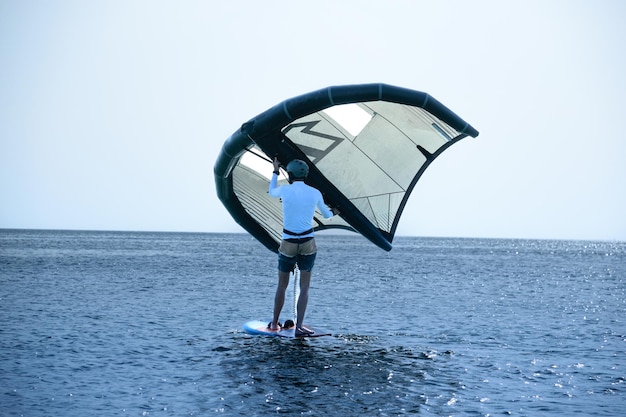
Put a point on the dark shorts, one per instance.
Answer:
(297, 251)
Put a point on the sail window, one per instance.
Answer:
(351, 117)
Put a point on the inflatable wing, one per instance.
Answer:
(366, 146)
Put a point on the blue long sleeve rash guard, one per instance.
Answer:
(299, 203)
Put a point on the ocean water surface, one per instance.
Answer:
(148, 324)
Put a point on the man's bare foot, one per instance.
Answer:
(303, 331)
(274, 326)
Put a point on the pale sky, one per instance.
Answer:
(112, 113)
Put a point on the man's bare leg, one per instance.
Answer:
(303, 299)
(279, 298)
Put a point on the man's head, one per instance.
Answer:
(297, 170)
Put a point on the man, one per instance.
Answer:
(298, 241)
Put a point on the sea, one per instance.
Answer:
(149, 324)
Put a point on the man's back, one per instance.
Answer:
(299, 203)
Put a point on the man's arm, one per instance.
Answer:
(324, 209)
(273, 189)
